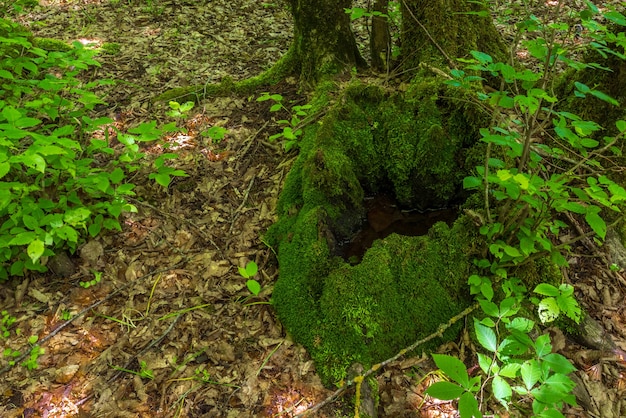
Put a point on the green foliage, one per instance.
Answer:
(35, 352)
(292, 127)
(60, 178)
(526, 183)
(95, 281)
(5, 323)
(248, 272)
(144, 372)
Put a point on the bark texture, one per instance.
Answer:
(323, 40)
(437, 32)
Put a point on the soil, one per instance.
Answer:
(172, 304)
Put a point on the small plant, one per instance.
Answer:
(292, 128)
(5, 323)
(144, 372)
(11, 354)
(249, 272)
(35, 352)
(95, 281)
(216, 133)
(178, 110)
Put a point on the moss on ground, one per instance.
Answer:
(285, 66)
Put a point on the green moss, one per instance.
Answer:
(112, 48)
(50, 44)
(405, 287)
(196, 93)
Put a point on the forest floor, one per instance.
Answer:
(187, 319)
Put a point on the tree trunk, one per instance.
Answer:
(380, 43)
(323, 40)
(437, 32)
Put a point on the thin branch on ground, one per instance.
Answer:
(376, 367)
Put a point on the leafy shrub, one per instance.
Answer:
(540, 162)
(60, 179)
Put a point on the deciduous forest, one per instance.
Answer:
(312, 208)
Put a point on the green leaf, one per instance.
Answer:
(11, 114)
(486, 336)
(489, 308)
(254, 287)
(510, 370)
(621, 125)
(163, 179)
(501, 390)
(453, 368)
(482, 57)
(589, 143)
(23, 238)
(604, 97)
(468, 406)
(546, 290)
(35, 250)
(471, 182)
(548, 310)
(531, 373)
(484, 362)
(76, 216)
(595, 221)
(4, 169)
(445, 391)
(558, 363)
(543, 345)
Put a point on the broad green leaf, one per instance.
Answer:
(163, 179)
(11, 114)
(510, 370)
(501, 390)
(621, 125)
(468, 406)
(589, 143)
(513, 346)
(254, 287)
(511, 251)
(453, 368)
(531, 373)
(604, 97)
(484, 362)
(489, 308)
(486, 336)
(76, 216)
(471, 182)
(558, 363)
(543, 345)
(520, 324)
(546, 290)
(548, 310)
(4, 169)
(482, 57)
(445, 391)
(595, 221)
(23, 238)
(616, 17)
(35, 250)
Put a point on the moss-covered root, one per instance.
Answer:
(284, 67)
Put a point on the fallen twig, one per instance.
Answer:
(376, 367)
